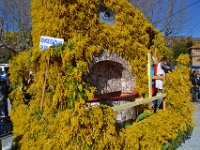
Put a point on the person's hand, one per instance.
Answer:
(163, 78)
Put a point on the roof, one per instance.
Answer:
(195, 67)
(197, 46)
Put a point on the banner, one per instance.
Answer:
(46, 42)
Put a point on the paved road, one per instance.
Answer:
(7, 142)
(194, 142)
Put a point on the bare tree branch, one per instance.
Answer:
(15, 18)
(163, 14)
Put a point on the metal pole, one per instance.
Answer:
(149, 74)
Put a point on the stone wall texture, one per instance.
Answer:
(110, 73)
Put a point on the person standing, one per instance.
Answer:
(4, 97)
(193, 79)
(162, 68)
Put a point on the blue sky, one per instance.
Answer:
(192, 28)
(185, 20)
(194, 19)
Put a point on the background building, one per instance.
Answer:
(194, 52)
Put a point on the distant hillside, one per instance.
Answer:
(170, 41)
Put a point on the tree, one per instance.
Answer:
(181, 46)
(15, 21)
(165, 15)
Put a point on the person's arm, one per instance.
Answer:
(158, 77)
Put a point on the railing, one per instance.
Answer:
(113, 96)
(134, 94)
(139, 101)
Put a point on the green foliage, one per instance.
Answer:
(11, 38)
(5, 58)
(142, 116)
(6, 52)
(181, 47)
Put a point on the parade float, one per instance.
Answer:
(74, 100)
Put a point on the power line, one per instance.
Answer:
(178, 12)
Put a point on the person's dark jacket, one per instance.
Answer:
(193, 79)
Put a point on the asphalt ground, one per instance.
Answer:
(7, 142)
(193, 143)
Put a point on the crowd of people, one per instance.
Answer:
(4, 92)
(195, 79)
(5, 122)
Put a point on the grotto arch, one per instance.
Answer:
(110, 73)
(114, 82)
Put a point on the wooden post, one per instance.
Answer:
(149, 74)
(44, 85)
(164, 104)
(137, 113)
